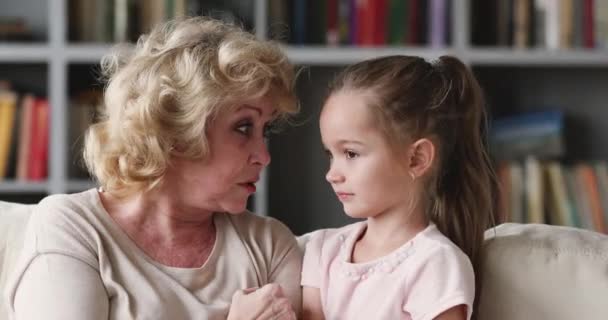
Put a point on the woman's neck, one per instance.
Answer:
(163, 229)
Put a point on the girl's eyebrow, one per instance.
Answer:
(346, 141)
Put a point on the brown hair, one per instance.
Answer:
(412, 99)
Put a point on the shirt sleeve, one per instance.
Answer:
(55, 276)
(311, 266)
(286, 271)
(56, 286)
(445, 280)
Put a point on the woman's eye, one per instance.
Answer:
(350, 154)
(244, 128)
(328, 154)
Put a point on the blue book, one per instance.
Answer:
(537, 134)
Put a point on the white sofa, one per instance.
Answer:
(530, 272)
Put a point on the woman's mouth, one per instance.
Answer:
(249, 186)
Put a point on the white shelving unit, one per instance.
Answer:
(58, 54)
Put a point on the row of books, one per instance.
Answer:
(24, 135)
(534, 191)
(539, 134)
(83, 108)
(15, 29)
(125, 20)
(552, 24)
(361, 22)
(118, 20)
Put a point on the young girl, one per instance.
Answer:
(405, 142)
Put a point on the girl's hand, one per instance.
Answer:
(267, 302)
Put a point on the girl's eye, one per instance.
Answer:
(350, 154)
(328, 154)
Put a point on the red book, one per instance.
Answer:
(365, 23)
(333, 33)
(588, 20)
(594, 197)
(414, 15)
(38, 162)
(380, 14)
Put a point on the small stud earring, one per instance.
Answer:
(413, 176)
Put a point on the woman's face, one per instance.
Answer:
(224, 180)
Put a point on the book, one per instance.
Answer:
(601, 173)
(522, 21)
(561, 211)
(535, 191)
(38, 161)
(590, 185)
(25, 134)
(333, 32)
(517, 194)
(8, 103)
(538, 134)
(397, 22)
(437, 20)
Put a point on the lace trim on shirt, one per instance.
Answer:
(383, 265)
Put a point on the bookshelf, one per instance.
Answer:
(293, 189)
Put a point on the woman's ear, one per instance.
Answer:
(422, 155)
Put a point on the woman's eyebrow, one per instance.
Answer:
(259, 110)
(247, 106)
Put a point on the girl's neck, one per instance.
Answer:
(386, 233)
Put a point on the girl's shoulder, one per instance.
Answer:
(329, 240)
(336, 235)
(434, 248)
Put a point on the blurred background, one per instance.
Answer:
(543, 66)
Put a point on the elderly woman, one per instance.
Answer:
(177, 152)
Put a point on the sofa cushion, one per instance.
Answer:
(13, 218)
(544, 272)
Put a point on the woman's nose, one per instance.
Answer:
(260, 153)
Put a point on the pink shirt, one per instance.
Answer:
(423, 278)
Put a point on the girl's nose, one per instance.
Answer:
(333, 176)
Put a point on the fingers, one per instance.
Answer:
(280, 308)
(276, 304)
(249, 290)
(271, 290)
(283, 310)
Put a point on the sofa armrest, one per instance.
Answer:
(544, 272)
(13, 219)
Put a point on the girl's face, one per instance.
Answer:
(226, 178)
(367, 175)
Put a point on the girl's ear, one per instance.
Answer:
(422, 155)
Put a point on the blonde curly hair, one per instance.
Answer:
(162, 93)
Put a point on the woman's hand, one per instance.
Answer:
(267, 302)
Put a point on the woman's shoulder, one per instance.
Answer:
(65, 208)
(259, 228)
(267, 239)
(64, 224)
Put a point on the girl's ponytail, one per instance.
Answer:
(463, 202)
